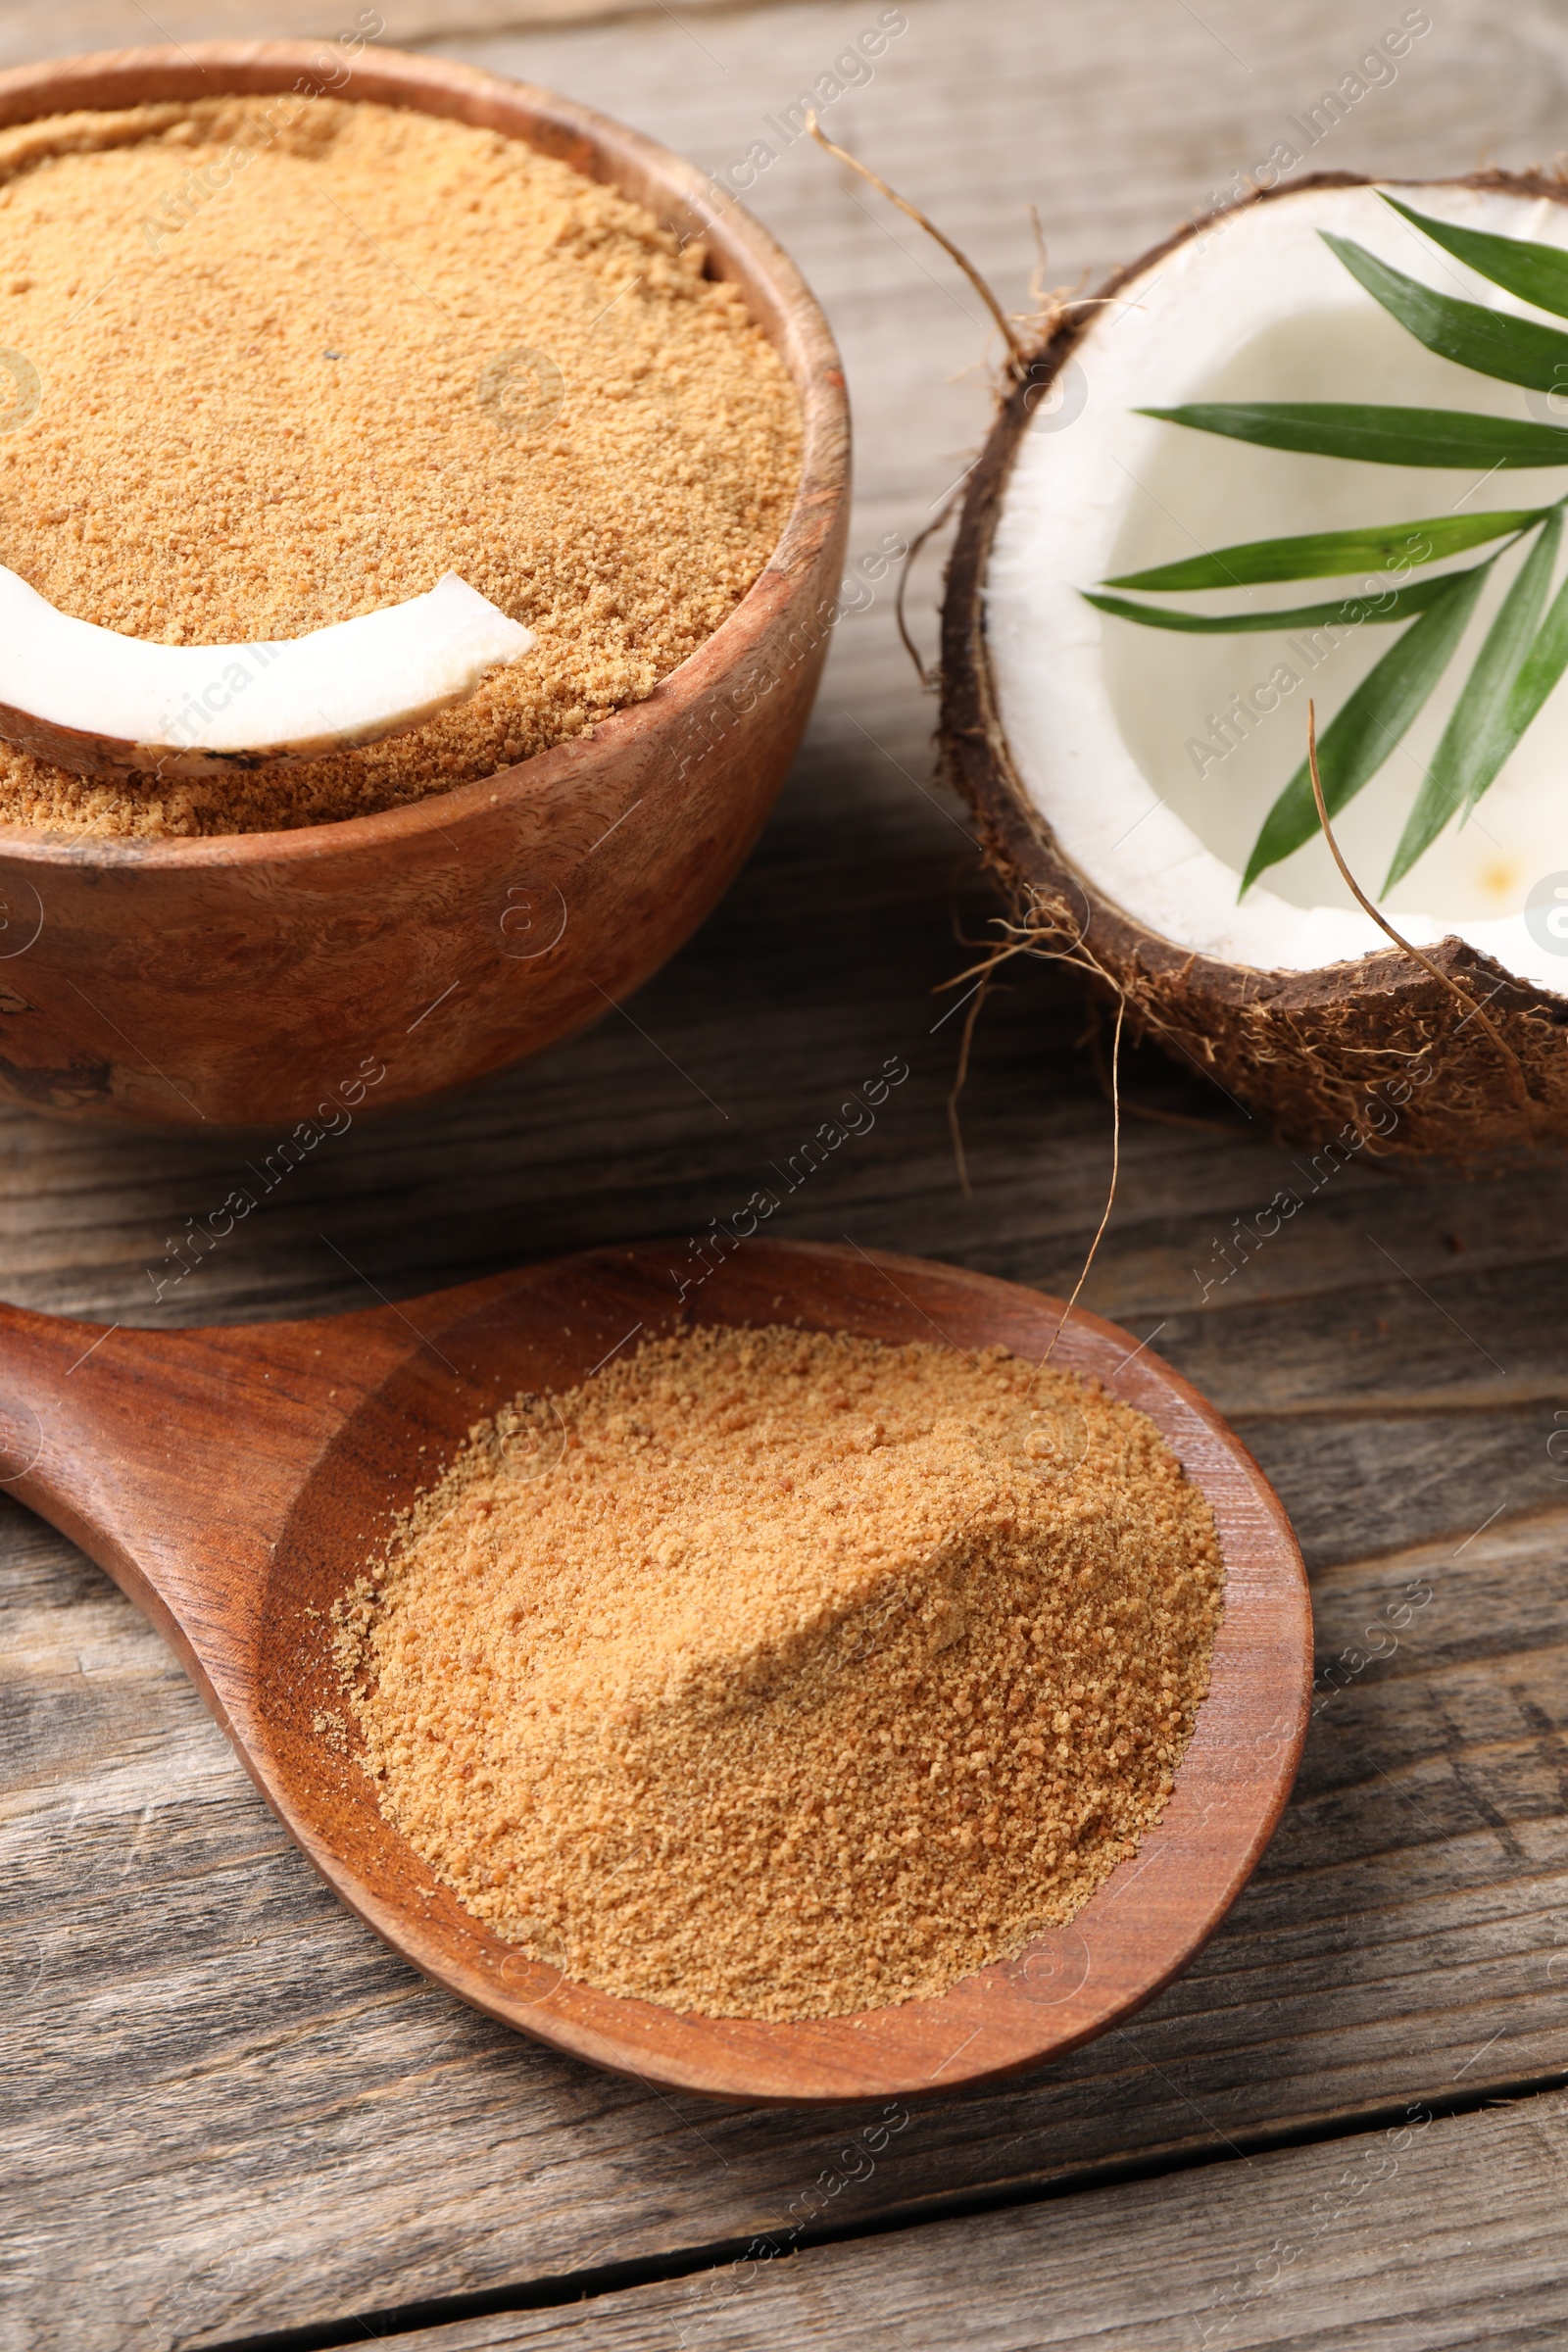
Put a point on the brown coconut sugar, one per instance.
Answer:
(779, 1674)
(295, 358)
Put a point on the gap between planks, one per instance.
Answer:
(620, 2304)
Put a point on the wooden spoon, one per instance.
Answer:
(233, 1480)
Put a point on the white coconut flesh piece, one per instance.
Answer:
(1154, 756)
(101, 703)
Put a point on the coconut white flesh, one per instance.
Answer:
(97, 701)
(1098, 712)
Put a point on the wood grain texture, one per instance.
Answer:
(244, 980)
(1422, 2236)
(230, 2109)
(122, 1440)
(71, 26)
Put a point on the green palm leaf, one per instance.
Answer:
(1487, 342)
(1487, 720)
(1325, 554)
(1545, 665)
(1359, 738)
(1524, 655)
(1350, 613)
(1377, 435)
(1537, 273)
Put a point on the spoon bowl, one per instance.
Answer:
(235, 1480)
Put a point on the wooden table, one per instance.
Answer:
(233, 2118)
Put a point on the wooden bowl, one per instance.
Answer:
(235, 1481)
(247, 979)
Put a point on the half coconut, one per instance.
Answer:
(1124, 768)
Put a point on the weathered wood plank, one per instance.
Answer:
(1422, 2236)
(233, 2110)
(73, 26)
(272, 2081)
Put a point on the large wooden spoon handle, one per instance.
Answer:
(172, 1456)
(91, 1444)
(41, 1412)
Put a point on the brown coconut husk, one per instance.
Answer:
(1316, 1053)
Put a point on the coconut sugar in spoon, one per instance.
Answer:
(233, 1480)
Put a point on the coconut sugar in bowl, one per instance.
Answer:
(663, 508)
